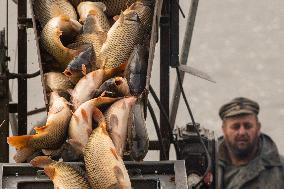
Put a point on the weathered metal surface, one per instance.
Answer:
(152, 175)
(183, 58)
(22, 68)
(4, 102)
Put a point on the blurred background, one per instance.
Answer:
(238, 43)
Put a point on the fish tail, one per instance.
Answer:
(98, 115)
(19, 142)
(41, 161)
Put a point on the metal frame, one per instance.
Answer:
(169, 56)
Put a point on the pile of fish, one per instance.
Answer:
(94, 60)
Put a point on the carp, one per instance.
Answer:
(137, 139)
(81, 123)
(63, 175)
(45, 10)
(56, 81)
(55, 30)
(94, 11)
(104, 167)
(87, 86)
(117, 117)
(136, 70)
(50, 136)
(115, 87)
(121, 38)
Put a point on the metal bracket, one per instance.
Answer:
(25, 23)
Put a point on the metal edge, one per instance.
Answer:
(153, 40)
(180, 175)
(38, 52)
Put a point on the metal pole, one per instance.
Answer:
(22, 68)
(183, 58)
(4, 102)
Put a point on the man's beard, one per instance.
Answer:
(242, 153)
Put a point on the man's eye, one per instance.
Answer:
(247, 125)
(235, 127)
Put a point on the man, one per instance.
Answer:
(248, 159)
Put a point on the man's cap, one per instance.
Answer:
(239, 106)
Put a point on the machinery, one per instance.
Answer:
(195, 146)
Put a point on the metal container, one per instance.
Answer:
(149, 174)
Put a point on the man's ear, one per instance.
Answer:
(259, 127)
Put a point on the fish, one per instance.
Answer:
(115, 7)
(116, 118)
(145, 11)
(57, 81)
(96, 39)
(104, 167)
(80, 65)
(81, 123)
(94, 11)
(136, 70)
(51, 36)
(75, 3)
(63, 175)
(50, 136)
(121, 39)
(87, 86)
(115, 87)
(45, 10)
(137, 139)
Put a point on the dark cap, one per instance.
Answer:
(239, 106)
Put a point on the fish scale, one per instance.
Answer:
(63, 175)
(47, 9)
(50, 136)
(115, 7)
(121, 39)
(50, 38)
(104, 167)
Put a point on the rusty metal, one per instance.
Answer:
(22, 68)
(4, 102)
(183, 58)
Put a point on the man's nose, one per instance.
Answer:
(242, 130)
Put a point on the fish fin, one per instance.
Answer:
(19, 142)
(92, 12)
(84, 115)
(23, 154)
(98, 115)
(121, 18)
(70, 91)
(41, 161)
(113, 151)
(40, 129)
(50, 172)
(84, 69)
(115, 18)
(120, 177)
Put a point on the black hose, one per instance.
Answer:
(162, 109)
(160, 139)
(196, 130)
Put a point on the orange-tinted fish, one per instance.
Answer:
(86, 87)
(50, 136)
(63, 175)
(80, 126)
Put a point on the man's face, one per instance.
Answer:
(241, 134)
